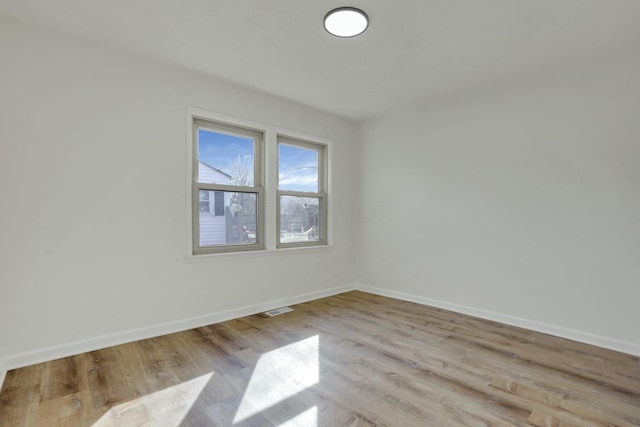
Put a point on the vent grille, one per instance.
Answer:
(277, 311)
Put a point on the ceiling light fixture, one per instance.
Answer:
(346, 22)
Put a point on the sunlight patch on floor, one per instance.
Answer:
(308, 418)
(281, 374)
(167, 407)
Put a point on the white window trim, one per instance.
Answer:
(270, 185)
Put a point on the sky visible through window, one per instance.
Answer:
(221, 150)
(298, 167)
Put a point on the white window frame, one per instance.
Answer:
(321, 194)
(258, 178)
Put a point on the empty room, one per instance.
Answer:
(319, 213)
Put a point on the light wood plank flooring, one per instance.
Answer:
(354, 359)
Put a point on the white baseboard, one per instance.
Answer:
(55, 352)
(69, 349)
(558, 331)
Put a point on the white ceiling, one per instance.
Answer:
(413, 51)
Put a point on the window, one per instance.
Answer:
(302, 200)
(227, 188)
(219, 203)
(234, 206)
(205, 203)
(211, 206)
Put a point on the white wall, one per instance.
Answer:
(518, 200)
(93, 184)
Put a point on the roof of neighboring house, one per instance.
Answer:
(215, 169)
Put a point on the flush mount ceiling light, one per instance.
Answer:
(346, 22)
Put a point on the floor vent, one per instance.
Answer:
(278, 311)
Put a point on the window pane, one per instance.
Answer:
(225, 159)
(237, 223)
(298, 168)
(299, 219)
(205, 203)
(219, 203)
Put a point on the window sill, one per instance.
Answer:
(227, 256)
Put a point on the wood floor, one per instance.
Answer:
(350, 360)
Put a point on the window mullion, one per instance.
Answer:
(300, 194)
(229, 188)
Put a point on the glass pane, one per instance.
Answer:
(205, 204)
(225, 159)
(299, 219)
(233, 223)
(298, 168)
